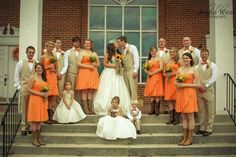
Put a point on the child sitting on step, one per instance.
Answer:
(68, 111)
(134, 115)
(114, 125)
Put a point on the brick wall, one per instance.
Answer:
(9, 13)
(183, 18)
(64, 19)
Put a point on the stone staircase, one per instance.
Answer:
(157, 139)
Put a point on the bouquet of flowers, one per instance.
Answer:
(93, 58)
(168, 69)
(147, 65)
(44, 89)
(180, 78)
(53, 60)
(118, 57)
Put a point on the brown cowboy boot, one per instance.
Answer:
(176, 118)
(171, 119)
(39, 138)
(85, 106)
(185, 136)
(49, 121)
(157, 110)
(153, 103)
(35, 140)
(189, 140)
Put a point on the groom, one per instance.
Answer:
(131, 65)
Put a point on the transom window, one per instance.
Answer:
(136, 19)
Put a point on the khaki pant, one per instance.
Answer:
(23, 109)
(137, 124)
(61, 85)
(206, 112)
(132, 84)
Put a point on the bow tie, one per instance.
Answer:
(134, 109)
(30, 61)
(59, 50)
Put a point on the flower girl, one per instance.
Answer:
(68, 111)
(115, 126)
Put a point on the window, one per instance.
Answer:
(136, 19)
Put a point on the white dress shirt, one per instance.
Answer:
(214, 73)
(129, 115)
(133, 49)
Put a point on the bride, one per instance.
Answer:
(111, 83)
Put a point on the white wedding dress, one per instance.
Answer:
(111, 84)
(72, 115)
(112, 128)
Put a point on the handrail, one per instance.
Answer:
(10, 123)
(230, 97)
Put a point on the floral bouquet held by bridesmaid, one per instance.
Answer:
(44, 89)
(168, 70)
(180, 78)
(53, 61)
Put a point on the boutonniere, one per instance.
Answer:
(62, 54)
(166, 51)
(191, 50)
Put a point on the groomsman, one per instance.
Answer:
(24, 69)
(163, 52)
(60, 54)
(188, 48)
(71, 64)
(207, 71)
(131, 65)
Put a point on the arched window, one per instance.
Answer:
(136, 19)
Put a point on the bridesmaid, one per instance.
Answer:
(88, 77)
(169, 72)
(186, 100)
(154, 86)
(50, 63)
(38, 104)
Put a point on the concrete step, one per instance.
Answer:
(163, 118)
(146, 127)
(26, 155)
(127, 150)
(148, 138)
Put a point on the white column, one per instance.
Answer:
(30, 26)
(221, 34)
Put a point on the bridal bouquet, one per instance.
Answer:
(147, 65)
(118, 57)
(180, 78)
(119, 68)
(44, 89)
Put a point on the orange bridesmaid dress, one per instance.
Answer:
(51, 79)
(87, 78)
(186, 98)
(170, 88)
(154, 86)
(37, 107)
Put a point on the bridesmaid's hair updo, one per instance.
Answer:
(151, 49)
(173, 49)
(44, 71)
(188, 54)
(116, 98)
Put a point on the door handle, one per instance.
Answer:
(5, 81)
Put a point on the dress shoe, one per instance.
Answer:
(29, 132)
(206, 133)
(23, 133)
(139, 132)
(199, 132)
